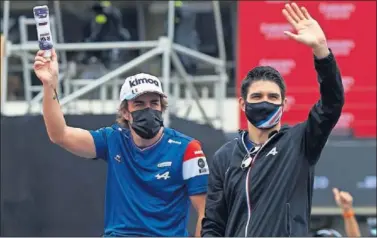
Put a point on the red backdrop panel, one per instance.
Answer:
(350, 28)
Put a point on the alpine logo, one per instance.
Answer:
(164, 176)
(137, 81)
(272, 152)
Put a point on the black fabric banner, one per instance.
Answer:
(46, 191)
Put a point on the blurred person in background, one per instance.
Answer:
(153, 171)
(185, 33)
(327, 233)
(106, 26)
(261, 183)
(344, 201)
(15, 88)
(371, 221)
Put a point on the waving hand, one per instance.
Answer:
(308, 30)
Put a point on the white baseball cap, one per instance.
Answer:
(139, 84)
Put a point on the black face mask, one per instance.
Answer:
(263, 115)
(147, 122)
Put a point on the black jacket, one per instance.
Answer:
(273, 196)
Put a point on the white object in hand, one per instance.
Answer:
(42, 19)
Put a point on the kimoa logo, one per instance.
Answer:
(136, 82)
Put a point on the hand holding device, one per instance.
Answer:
(42, 19)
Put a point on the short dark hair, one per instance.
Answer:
(266, 73)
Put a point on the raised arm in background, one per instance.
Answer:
(344, 201)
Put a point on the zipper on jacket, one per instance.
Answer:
(247, 185)
(288, 218)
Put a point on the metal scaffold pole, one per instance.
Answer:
(164, 46)
(166, 61)
(4, 60)
(221, 86)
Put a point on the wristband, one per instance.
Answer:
(348, 214)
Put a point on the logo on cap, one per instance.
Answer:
(137, 81)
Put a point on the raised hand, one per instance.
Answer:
(308, 30)
(343, 199)
(47, 70)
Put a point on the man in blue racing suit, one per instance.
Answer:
(153, 171)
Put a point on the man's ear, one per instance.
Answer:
(241, 103)
(285, 104)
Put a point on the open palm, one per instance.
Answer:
(308, 30)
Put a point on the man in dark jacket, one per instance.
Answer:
(261, 184)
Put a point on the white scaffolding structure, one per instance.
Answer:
(163, 46)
